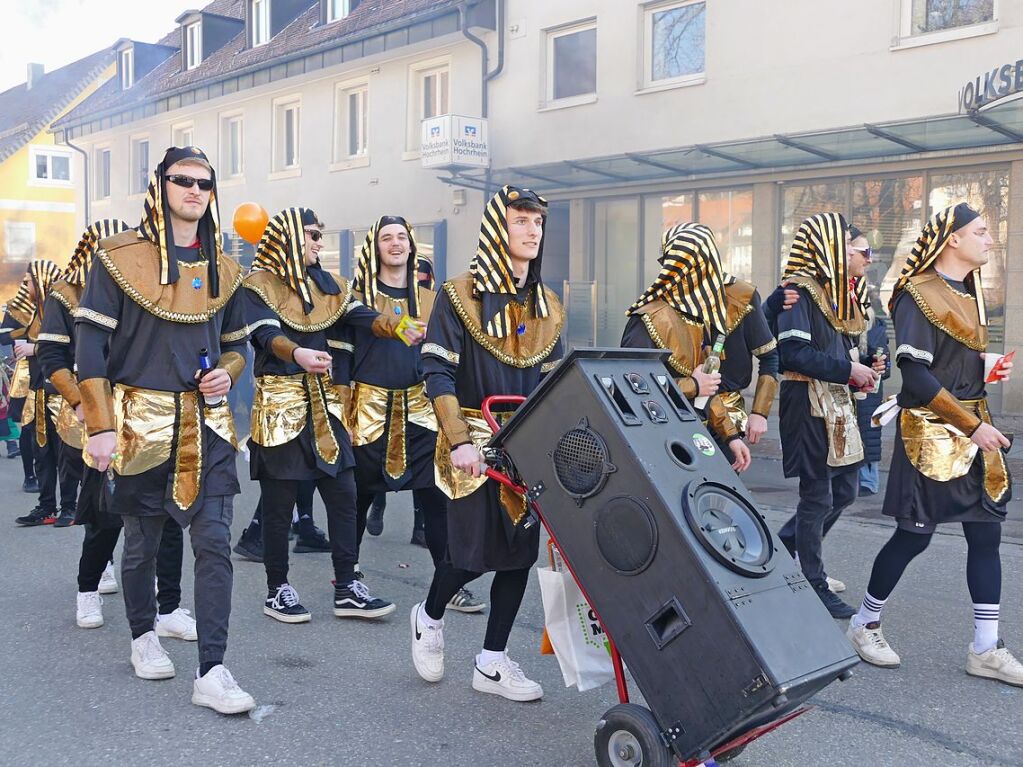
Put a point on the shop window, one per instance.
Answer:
(616, 265)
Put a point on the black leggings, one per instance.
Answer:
(432, 503)
(983, 563)
(278, 500)
(505, 598)
(26, 442)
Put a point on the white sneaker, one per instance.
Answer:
(871, 645)
(997, 663)
(149, 659)
(90, 610)
(108, 581)
(836, 586)
(427, 647)
(179, 624)
(505, 678)
(218, 690)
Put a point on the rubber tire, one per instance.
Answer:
(638, 721)
(730, 754)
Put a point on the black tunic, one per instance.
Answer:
(36, 380)
(910, 495)
(752, 334)
(481, 537)
(808, 344)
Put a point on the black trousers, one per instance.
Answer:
(304, 502)
(821, 503)
(98, 549)
(55, 463)
(506, 594)
(279, 497)
(26, 442)
(432, 503)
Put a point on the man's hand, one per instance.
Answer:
(101, 447)
(756, 427)
(741, 454)
(24, 350)
(879, 365)
(216, 383)
(415, 333)
(1004, 372)
(467, 458)
(988, 438)
(313, 361)
(80, 413)
(707, 384)
(862, 377)
(791, 297)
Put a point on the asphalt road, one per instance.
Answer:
(338, 692)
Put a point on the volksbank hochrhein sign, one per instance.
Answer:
(990, 86)
(454, 140)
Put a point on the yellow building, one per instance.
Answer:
(39, 212)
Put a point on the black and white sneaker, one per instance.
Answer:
(282, 604)
(464, 602)
(355, 601)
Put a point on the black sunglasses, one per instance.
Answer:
(315, 234)
(206, 184)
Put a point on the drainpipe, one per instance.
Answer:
(85, 175)
(486, 76)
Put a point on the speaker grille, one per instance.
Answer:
(580, 461)
(626, 534)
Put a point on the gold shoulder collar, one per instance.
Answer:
(287, 304)
(851, 327)
(950, 311)
(739, 297)
(675, 332)
(525, 351)
(134, 265)
(386, 304)
(68, 295)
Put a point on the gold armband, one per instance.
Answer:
(283, 348)
(386, 325)
(719, 420)
(688, 387)
(233, 363)
(767, 388)
(952, 411)
(64, 382)
(451, 420)
(98, 403)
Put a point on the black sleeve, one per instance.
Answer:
(760, 339)
(9, 324)
(442, 349)
(54, 348)
(263, 323)
(359, 315)
(795, 345)
(915, 338)
(773, 306)
(101, 302)
(919, 386)
(91, 350)
(769, 363)
(636, 336)
(233, 335)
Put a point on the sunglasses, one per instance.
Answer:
(205, 184)
(867, 252)
(314, 234)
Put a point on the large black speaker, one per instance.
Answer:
(716, 623)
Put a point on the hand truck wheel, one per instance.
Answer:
(629, 736)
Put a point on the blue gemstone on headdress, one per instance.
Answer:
(197, 283)
(521, 328)
(397, 310)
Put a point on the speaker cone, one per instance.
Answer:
(728, 528)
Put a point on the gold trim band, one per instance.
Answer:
(93, 316)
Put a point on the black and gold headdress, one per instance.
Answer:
(281, 251)
(41, 274)
(692, 279)
(155, 225)
(819, 252)
(491, 268)
(78, 267)
(368, 268)
(929, 245)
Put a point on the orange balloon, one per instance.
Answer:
(250, 219)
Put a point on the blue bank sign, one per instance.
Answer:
(990, 86)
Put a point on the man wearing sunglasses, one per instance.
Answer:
(160, 339)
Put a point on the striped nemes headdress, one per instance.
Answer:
(819, 252)
(281, 251)
(78, 267)
(368, 268)
(41, 274)
(928, 247)
(155, 225)
(491, 268)
(692, 280)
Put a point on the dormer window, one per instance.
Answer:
(338, 9)
(193, 45)
(259, 15)
(127, 68)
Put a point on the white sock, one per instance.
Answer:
(870, 610)
(426, 620)
(985, 627)
(489, 656)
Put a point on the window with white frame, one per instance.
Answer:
(193, 45)
(139, 180)
(338, 9)
(127, 68)
(927, 16)
(182, 135)
(49, 166)
(259, 20)
(286, 134)
(351, 121)
(231, 146)
(431, 96)
(572, 62)
(102, 191)
(674, 42)
(20, 239)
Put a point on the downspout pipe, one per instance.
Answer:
(85, 176)
(485, 75)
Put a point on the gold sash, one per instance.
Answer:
(458, 484)
(375, 409)
(941, 452)
(20, 379)
(735, 404)
(834, 403)
(282, 404)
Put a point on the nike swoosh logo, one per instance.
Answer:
(495, 677)
(418, 635)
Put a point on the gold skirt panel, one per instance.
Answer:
(71, 431)
(376, 410)
(20, 379)
(282, 405)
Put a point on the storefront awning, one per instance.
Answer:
(999, 124)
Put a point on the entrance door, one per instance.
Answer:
(616, 270)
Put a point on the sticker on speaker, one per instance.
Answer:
(704, 444)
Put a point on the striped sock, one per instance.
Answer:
(870, 610)
(985, 627)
